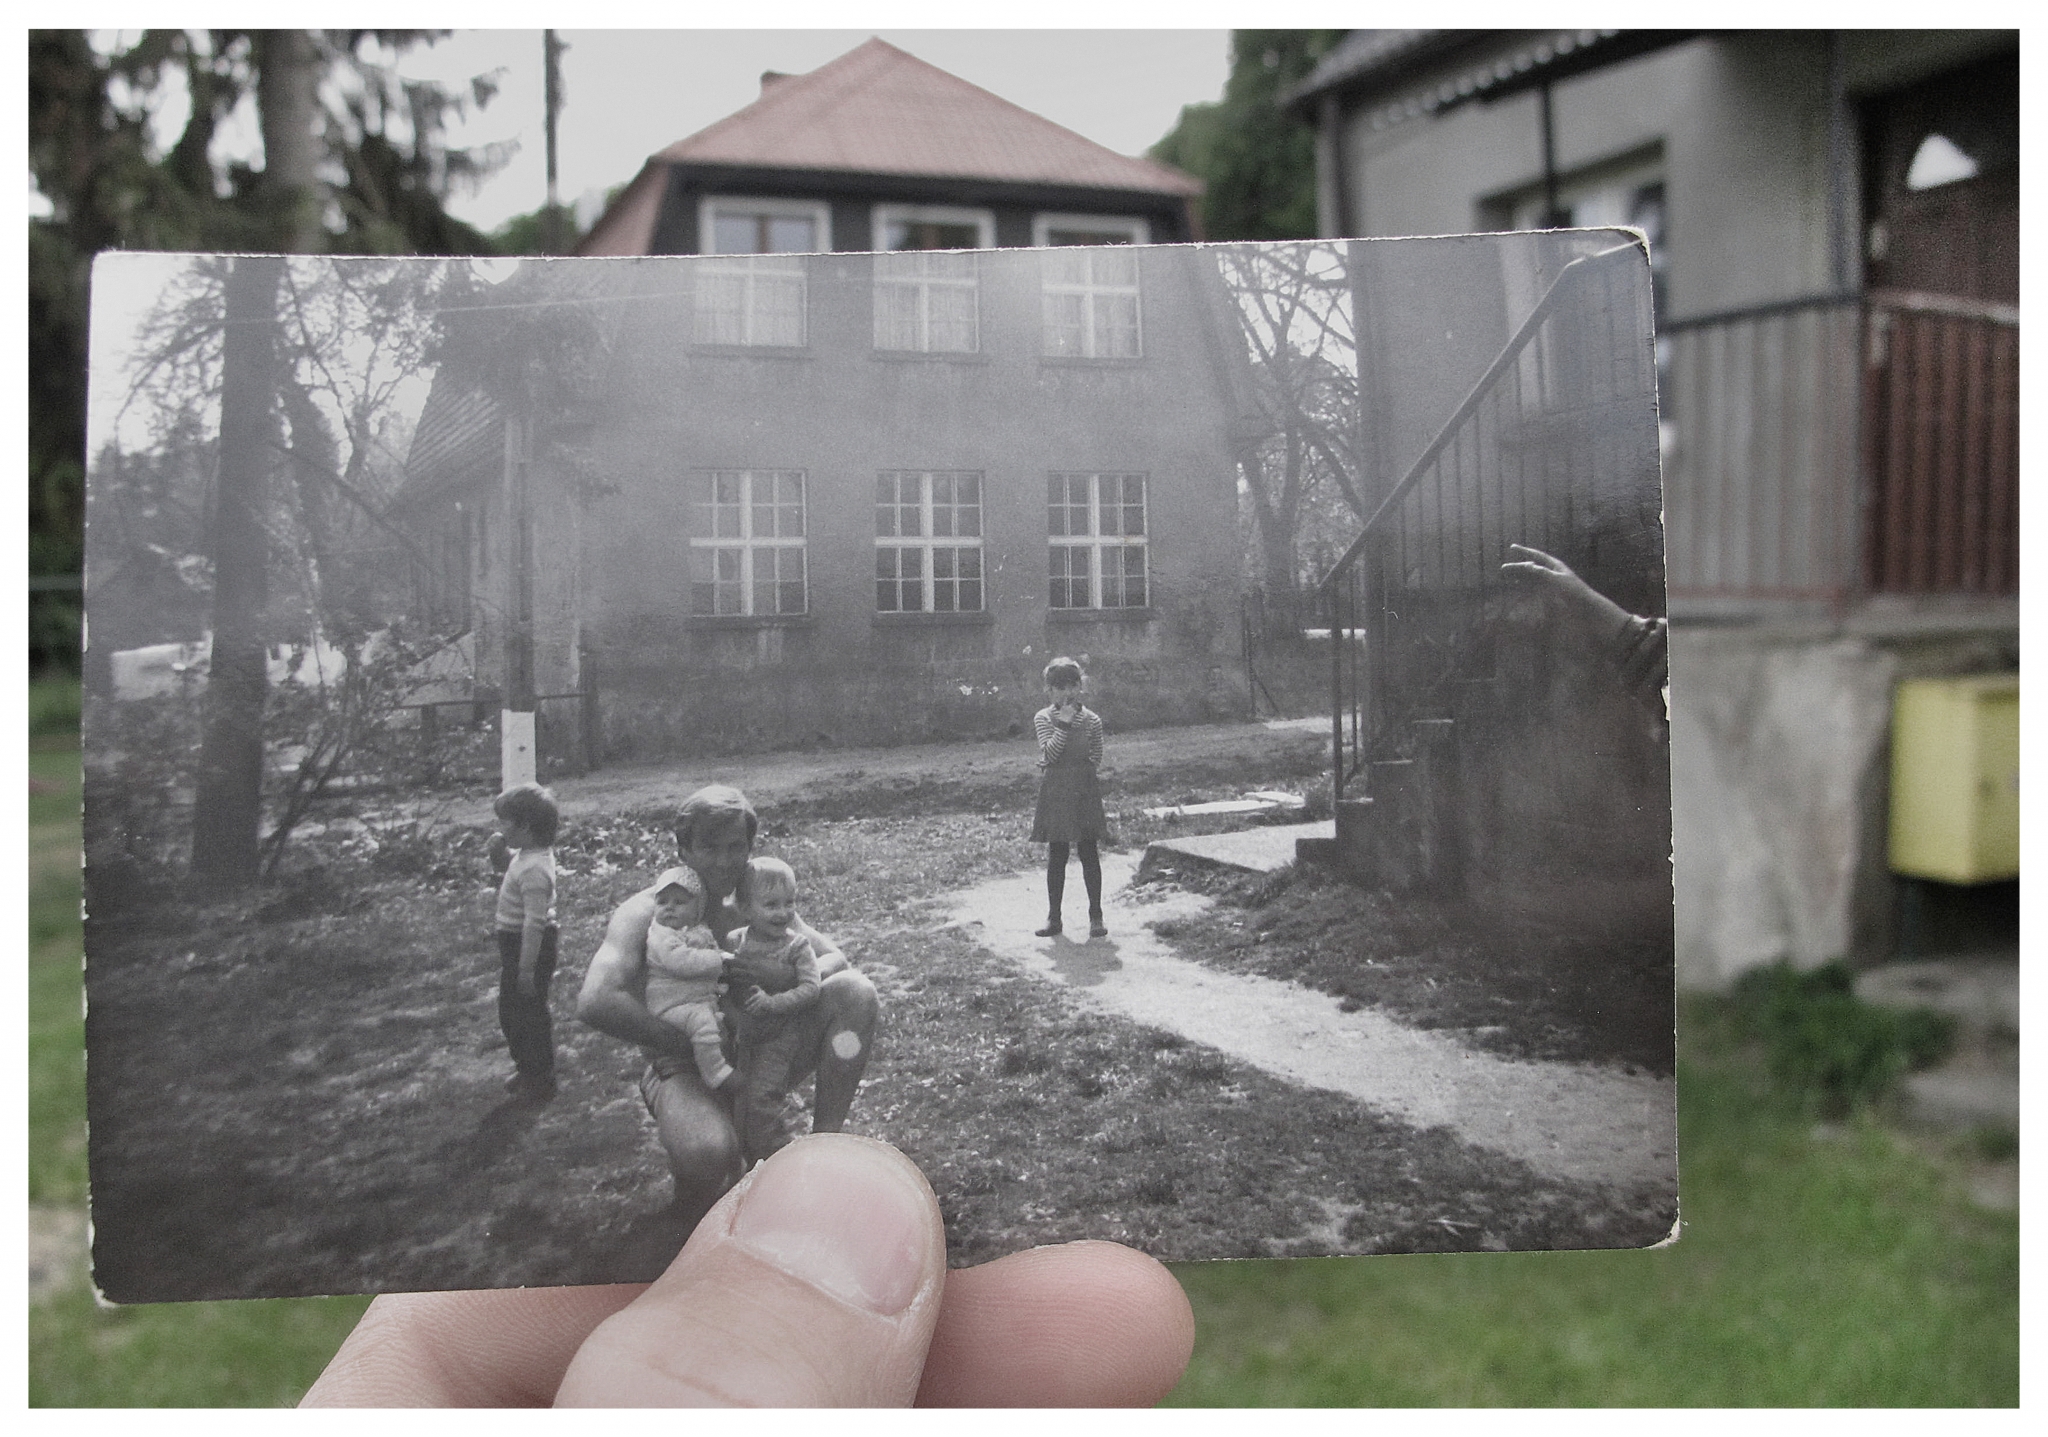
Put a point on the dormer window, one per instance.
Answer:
(1048, 230)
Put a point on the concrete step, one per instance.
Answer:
(1978, 1085)
(1962, 1097)
(1980, 991)
(1248, 850)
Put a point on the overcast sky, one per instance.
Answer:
(630, 93)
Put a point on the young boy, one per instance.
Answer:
(524, 851)
(771, 977)
(684, 962)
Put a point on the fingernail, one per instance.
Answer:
(846, 1215)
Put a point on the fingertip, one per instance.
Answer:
(1085, 1324)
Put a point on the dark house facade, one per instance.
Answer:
(880, 151)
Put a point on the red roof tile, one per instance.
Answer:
(879, 110)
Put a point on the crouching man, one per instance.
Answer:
(715, 831)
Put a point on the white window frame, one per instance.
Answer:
(910, 272)
(1092, 293)
(1137, 230)
(708, 207)
(1095, 543)
(755, 271)
(926, 543)
(984, 222)
(709, 542)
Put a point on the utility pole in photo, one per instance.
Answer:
(518, 757)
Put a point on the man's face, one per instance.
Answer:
(718, 851)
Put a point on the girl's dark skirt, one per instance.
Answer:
(1069, 805)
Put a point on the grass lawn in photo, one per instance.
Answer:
(300, 1089)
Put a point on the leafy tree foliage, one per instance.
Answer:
(361, 156)
(1257, 160)
(551, 229)
(266, 414)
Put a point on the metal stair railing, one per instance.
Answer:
(1510, 463)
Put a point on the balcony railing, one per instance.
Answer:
(1942, 451)
(1836, 446)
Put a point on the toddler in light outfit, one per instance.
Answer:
(684, 962)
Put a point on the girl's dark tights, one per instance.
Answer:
(1056, 876)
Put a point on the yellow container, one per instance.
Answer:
(1956, 778)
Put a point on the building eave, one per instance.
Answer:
(1467, 66)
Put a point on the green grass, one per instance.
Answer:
(1818, 1266)
(209, 1354)
(53, 709)
(200, 1354)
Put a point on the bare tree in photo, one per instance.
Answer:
(1293, 306)
(304, 367)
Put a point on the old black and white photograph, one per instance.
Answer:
(1171, 736)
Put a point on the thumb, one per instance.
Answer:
(814, 1283)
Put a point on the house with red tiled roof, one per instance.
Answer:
(735, 488)
(880, 151)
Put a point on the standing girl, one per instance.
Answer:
(1069, 795)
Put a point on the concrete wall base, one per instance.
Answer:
(1780, 758)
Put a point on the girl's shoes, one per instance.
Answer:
(1096, 927)
(1051, 930)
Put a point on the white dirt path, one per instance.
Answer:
(1566, 1120)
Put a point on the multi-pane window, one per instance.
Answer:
(1096, 524)
(927, 542)
(747, 544)
(753, 291)
(926, 300)
(443, 580)
(1091, 303)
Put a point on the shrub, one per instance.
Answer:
(1829, 1049)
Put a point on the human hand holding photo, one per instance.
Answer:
(820, 1280)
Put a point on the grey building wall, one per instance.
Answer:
(1780, 729)
(1742, 123)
